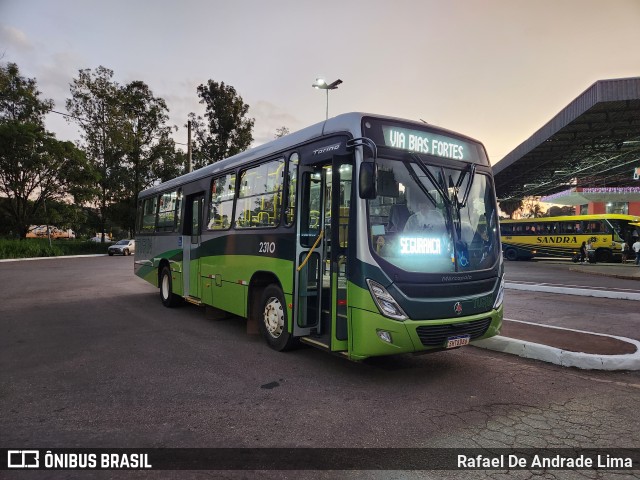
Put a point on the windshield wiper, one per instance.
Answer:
(472, 176)
(431, 178)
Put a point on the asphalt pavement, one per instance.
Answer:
(564, 346)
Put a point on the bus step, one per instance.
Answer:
(193, 300)
(313, 342)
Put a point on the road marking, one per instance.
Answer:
(51, 258)
(619, 294)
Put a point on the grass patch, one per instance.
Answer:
(37, 247)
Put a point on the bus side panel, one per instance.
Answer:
(230, 297)
(230, 276)
(147, 266)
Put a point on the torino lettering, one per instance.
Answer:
(420, 246)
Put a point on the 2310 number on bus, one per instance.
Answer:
(267, 247)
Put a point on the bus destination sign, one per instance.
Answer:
(426, 142)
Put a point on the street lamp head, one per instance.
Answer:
(323, 85)
(320, 83)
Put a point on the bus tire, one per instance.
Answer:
(603, 256)
(169, 299)
(511, 254)
(272, 319)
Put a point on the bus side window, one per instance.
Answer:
(260, 187)
(167, 212)
(149, 211)
(221, 205)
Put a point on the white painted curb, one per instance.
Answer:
(51, 258)
(583, 292)
(565, 358)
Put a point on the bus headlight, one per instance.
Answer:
(385, 302)
(500, 296)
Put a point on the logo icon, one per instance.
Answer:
(23, 458)
(457, 308)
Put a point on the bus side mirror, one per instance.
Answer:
(368, 180)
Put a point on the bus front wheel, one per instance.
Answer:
(169, 299)
(273, 319)
(510, 254)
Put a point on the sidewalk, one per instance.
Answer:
(629, 270)
(572, 348)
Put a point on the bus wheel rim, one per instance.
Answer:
(165, 287)
(274, 317)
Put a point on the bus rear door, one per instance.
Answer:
(191, 241)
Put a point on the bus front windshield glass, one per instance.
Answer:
(433, 219)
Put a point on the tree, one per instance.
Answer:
(149, 149)
(533, 207)
(34, 166)
(511, 206)
(281, 132)
(126, 134)
(556, 211)
(225, 130)
(96, 104)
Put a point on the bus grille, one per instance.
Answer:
(439, 290)
(436, 335)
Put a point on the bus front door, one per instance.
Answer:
(324, 195)
(190, 243)
(310, 250)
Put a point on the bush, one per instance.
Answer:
(38, 247)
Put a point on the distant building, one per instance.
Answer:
(594, 200)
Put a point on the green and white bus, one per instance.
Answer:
(307, 238)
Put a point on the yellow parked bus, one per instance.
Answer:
(562, 236)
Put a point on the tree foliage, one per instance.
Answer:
(34, 166)
(281, 132)
(127, 139)
(225, 129)
(511, 206)
(149, 148)
(557, 211)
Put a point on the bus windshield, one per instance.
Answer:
(433, 219)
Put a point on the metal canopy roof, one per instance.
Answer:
(593, 142)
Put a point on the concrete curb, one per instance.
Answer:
(565, 358)
(51, 258)
(583, 292)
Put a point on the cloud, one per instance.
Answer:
(15, 39)
(269, 117)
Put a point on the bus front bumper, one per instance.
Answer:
(375, 335)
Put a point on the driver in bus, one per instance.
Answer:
(426, 218)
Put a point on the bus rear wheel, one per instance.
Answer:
(169, 299)
(603, 256)
(272, 318)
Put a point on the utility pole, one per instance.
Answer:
(189, 167)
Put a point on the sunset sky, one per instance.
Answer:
(496, 70)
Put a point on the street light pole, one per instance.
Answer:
(321, 84)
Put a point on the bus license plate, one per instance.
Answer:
(459, 341)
